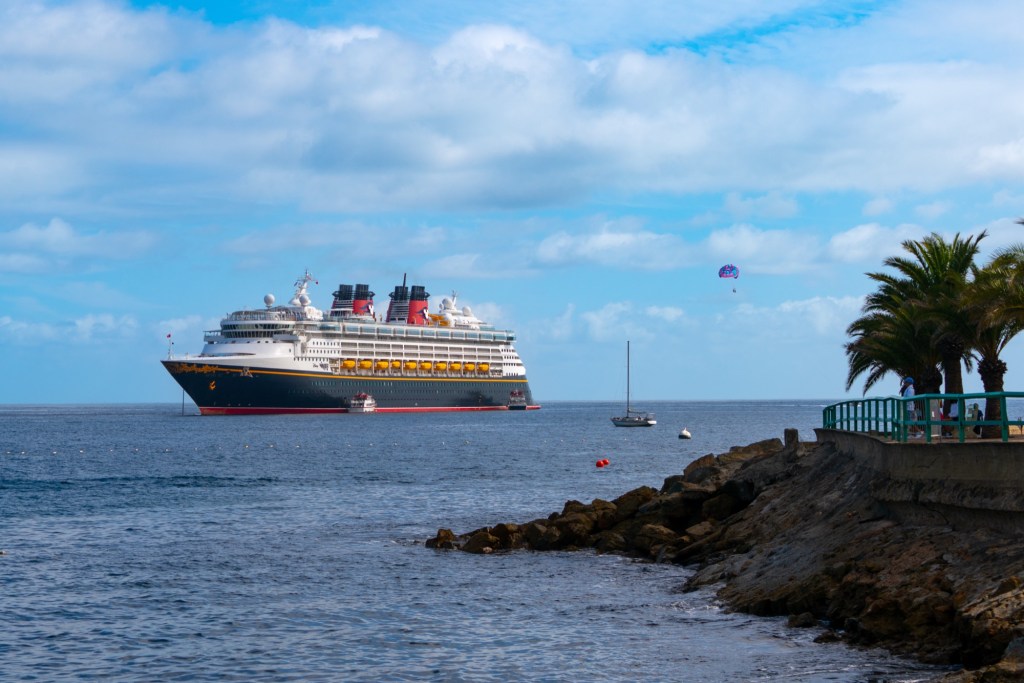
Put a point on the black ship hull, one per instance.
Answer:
(228, 390)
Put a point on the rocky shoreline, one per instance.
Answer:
(791, 528)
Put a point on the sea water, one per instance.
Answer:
(148, 543)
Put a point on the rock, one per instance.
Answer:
(701, 469)
(481, 542)
(721, 506)
(627, 504)
(604, 514)
(572, 506)
(575, 529)
(802, 620)
(673, 484)
(828, 636)
(1010, 669)
(534, 532)
(759, 449)
(611, 542)
(651, 535)
(508, 535)
(700, 530)
(444, 540)
(550, 539)
(678, 509)
(1011, 584)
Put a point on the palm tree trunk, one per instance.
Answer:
(930, 382)
(992, 371)
(952, 371)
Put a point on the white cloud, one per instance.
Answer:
(489, 312)
(825, 316)
(561, 328)
(792, 321)
(105, 326)
(771, 205)
(764, 251)
(556, 330)
(1007, 198)
(22, 263)
(84, 330)
(617, 245)
(478, 48)
(59, 239)
(877, 206)
(361, 118)
(176, 327)
(1001, 233)
(472, 266)
(871, 243)
(21, 332)
(625, 320)
(615, 321)
(299, 237)
(35, 170)
(933, 210)
(1004, 159)
(667, 313)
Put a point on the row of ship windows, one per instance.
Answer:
(246, 335)
(410, 332)
(384, 347)
(406, 348)
(385, 385)
(425, 332)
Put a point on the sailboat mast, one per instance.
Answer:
(627, 378)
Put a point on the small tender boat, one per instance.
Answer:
(633, 418)
(362, 403)
(684, 433)
(516, 400)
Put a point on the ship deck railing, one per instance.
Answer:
(892, 417)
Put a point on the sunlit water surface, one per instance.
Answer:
(143, 544)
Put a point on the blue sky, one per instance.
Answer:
(577, 171)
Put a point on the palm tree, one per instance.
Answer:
(994, 305)
(892, 341)
(933, 281)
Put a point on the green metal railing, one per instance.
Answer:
(901, 419)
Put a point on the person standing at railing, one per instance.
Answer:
(952, 416)
(907, 391)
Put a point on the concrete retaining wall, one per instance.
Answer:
(969, 484)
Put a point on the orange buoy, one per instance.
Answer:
(600, 463)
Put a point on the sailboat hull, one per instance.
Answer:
(634, 421)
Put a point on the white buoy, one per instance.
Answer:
(684, 433)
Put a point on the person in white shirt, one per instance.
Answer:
(906, 391)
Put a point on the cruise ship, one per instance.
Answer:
(296, 358)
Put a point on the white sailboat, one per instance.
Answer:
(633, 418)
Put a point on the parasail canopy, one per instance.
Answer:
(729, 270)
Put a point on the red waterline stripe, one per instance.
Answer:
(310, 411)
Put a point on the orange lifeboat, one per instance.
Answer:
(365, 364)
(426, 365)
(348, 364)
(470, 367)
(483, 367)
(456, 366)
(411, 365)
(396, 364)
(440, 367)
(382, 365)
